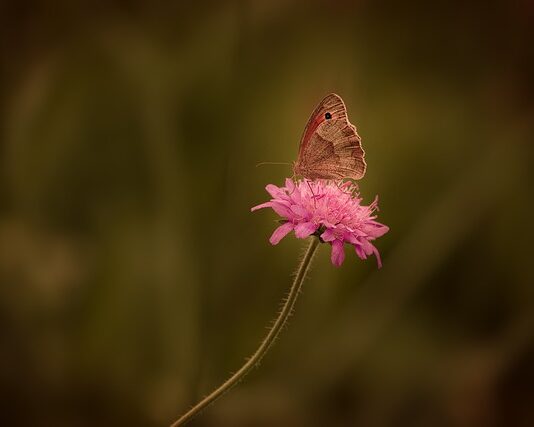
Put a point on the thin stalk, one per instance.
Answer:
(255, 359)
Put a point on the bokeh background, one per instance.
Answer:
(134, 278)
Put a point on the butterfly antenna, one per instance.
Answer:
(272, 163)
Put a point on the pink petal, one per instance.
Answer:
(295, 195)
(280, 233)
(304, 229)
(381, 230)
(375, 229)
(378, 259)
(353, 238)
(263, 205)
(360, 252)
(338, 253)
(290, 185)
(367, 247)
(328, 235)
(299, 210)
(273, 190)
(282, 210)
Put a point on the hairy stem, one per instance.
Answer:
(255, 359)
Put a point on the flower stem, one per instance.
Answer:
(255, 359)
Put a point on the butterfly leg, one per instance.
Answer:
(294, 179)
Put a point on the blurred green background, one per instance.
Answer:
(134, 278)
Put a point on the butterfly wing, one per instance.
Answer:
(330, 147)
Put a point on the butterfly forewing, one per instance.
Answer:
(330, 147)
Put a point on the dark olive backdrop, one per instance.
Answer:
(134, 277)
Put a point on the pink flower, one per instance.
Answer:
(329, 210)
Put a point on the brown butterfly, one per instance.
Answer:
(330, 147)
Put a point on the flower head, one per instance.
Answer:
(330, 210)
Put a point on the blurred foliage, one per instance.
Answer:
(134, 277)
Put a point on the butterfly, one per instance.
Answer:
(330, 147)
